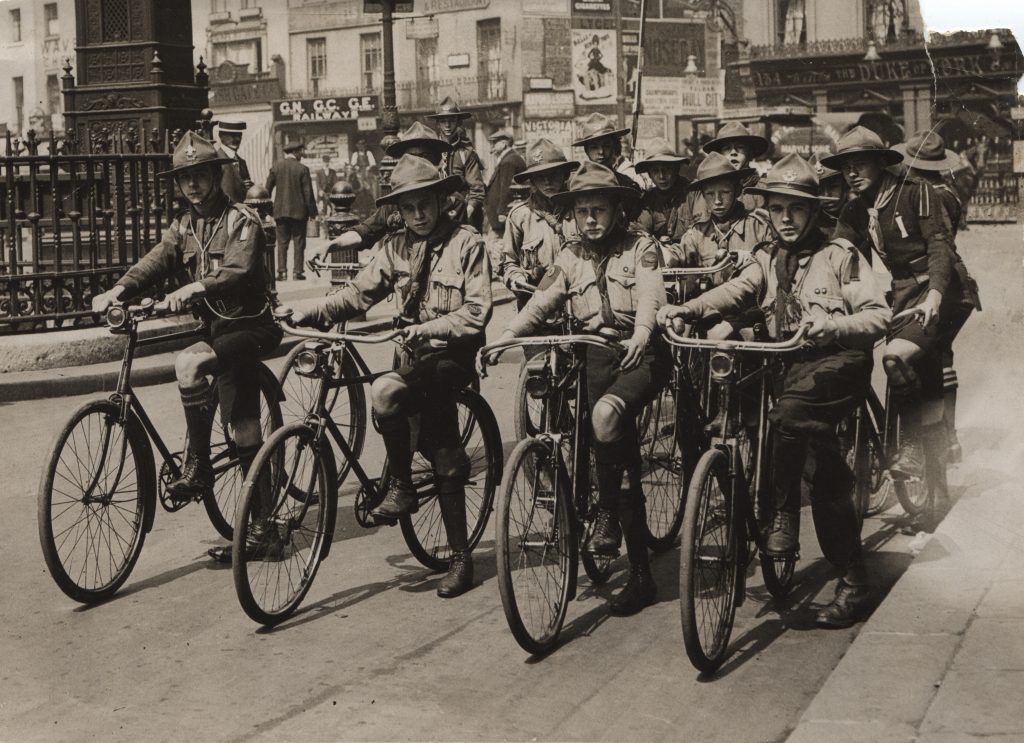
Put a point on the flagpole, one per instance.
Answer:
(637, 106)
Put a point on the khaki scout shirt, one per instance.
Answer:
(741, 234)
(456, 304)
(828, 282)
(636, 290)
(222, 251)
(531, 243)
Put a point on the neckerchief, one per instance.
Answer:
(735, 216)
(420, 254)
(599, 259)
(886, 192)
(787, 262)
(546, 211)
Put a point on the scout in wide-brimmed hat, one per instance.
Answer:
(717, 166)
(594, 179)
(194, 152)
(791, 176)
(660, 153)
(860, 141)
(834, 186)
(823, 172)
(418, 136)
(543, 156)
(735, 132)
(448, 108)
(597, 126)
(413, 174)
(926, 150)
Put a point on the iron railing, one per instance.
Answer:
(468, 91)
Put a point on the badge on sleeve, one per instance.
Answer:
(549, 278)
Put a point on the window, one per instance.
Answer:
(19, 101)
(53, 95)
(15, 24)
(370, 53)
(426, 62)
(246, 52)
(50, 18)
(792, 22)
(316, 61)
(885, 20)
(488, 54)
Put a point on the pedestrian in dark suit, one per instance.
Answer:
(507, 163)
(294, 205)
(325, 180)
(235, 180)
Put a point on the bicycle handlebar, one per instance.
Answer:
(795, 343)
(316, 266)
(912, 312)
(489, 354)
(117, 314)
(677, 273)
(283, 316)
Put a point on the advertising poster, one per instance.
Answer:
(594, 80)
(559, 131)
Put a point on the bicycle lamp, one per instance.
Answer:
(721, 365)
(116, 317)
(307, 362)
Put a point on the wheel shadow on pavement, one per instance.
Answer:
(155, 581)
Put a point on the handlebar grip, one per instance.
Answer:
(282, 313)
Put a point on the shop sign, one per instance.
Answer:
(661, 95)
(366, 123)
(559, 131)
(548, 104)
(651, 127)
(325, 109)
(856, 73)
(700, 96)
(402, 6)
(667, 45)
(453, 6)
(594, 79)
(592, 6)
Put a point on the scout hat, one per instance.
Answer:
(734, 131)
(824, 173)
(448, 107)
(234, 127)
(417, 135)
(790, 176)
(595, 179)
(926, 150)
(715, 166)
(192, 152)
(501, 134)
(542, 156)
(660, 153)
(857, 141)
(413, 174)
(597, 126)
(294, 146)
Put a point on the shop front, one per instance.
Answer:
(331, 126)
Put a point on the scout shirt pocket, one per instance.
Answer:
(622, 289)
(447, 291)
(530, 258)
(585, 299)
(822, 302)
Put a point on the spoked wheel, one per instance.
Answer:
(662, 475)
(535, 546)
(424, 530)
(95, 502)
(912, 494)
(777, 573)
(597, 567)
(709, 563)
(346, 405)
(228, 474)
(285, 524)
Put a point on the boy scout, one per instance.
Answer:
(802, 277)
(613, 279)
(666, 209)
(463, 161)
(737, 145)
(439, 271)
(218, 245)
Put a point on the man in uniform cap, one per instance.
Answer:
(507, 163)
(235, 181)
(463, 161)
(294, 206)
(216, 247)
(802, 277)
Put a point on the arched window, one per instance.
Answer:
(886, 19)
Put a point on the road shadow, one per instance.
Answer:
(155, 581)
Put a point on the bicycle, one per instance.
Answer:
(727, 502)
(285, 525)
(548, 498)
(97, 496)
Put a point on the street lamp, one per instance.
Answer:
(389, 108)
(691, 65)
(872, 55)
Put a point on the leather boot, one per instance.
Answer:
(452, 499)
(196, 478)
(846, 607)
(639, 592)
(261, 507)
(399, 500)
(783, 538)
(607, 535)
(833, 509)
(459, 578)
(909, 461)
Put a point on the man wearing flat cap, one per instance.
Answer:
(507, 164)
(235, 181)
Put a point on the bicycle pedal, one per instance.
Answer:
(383, 520)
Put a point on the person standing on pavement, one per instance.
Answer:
(441, 276)
(612, 277)
(294, 206)
(802, 277)
(463, 161)
(326, 177)
(235, 180)
(665, 208)
(507, 163)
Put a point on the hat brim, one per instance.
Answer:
(741, 174)
(451, 115)
(402, 146)
(647, 163)
(445, 185)
(525, 175)
(193, 166)
(889, 157)
(602, 135)
(767, 191)
(949, 161)
(621, 193)
(757, 145)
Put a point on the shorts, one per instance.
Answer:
(936, 342)
(239, 345)
(819, 388)
(434, 380)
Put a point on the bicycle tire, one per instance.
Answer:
(707, 646)
(535, 548)
(912, 495)
(663, 475)
(597, 567)
(527, 413)
(424, 531)
(290, 457)
(229, 479)
(93, 579)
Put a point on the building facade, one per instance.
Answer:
(36, 36)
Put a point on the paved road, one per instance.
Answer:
(374, 654)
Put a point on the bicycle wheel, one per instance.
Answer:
(535, 547)
(229, 479)
(708, 563)
(912, 494)
(280, 539)
(597, 567)
(347, 405)
(662, 474)
(424, 530)
(528, 413)
(95, 502)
